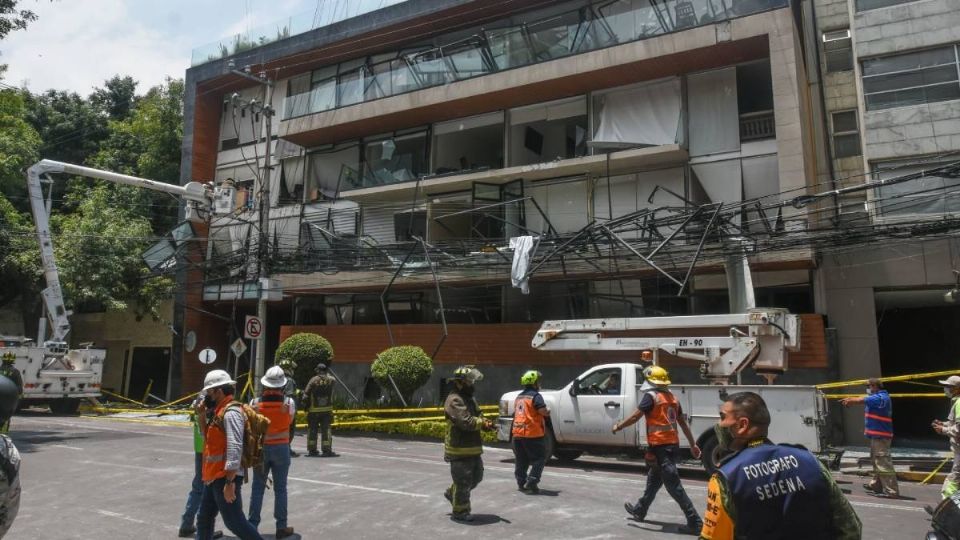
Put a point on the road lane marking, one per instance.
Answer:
(67, 447)
(362, 488)
(887, 506)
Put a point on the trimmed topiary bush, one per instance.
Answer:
(409, 366)
(307, 350)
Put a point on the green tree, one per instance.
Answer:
(147, 144)
(19, 147)
(71, 128)
(306, 350)
(117, 98)
(409, 366)
(98, 248)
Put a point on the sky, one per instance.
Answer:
(77, 44)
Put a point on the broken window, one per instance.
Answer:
(548, 131)
(468, 144)
(407, 225)
(332, 170)
(394, 158)
(564, 202)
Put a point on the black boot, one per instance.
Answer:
(636, 510)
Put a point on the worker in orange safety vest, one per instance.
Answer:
(280, 410)
(664, 415)
(529, 448)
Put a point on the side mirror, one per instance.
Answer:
(573, 387)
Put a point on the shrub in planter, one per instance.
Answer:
(409, 366)
(306, 350)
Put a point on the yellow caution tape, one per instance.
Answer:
(935, 471)
(408, 411)
(390, 421)
(135, 402)
(890, 379)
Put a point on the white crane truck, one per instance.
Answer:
(583, 412)
(53, 373)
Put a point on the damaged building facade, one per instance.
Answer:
(625, 138)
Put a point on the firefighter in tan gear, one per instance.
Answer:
(319, 396)
(463, 444)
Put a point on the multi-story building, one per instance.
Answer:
(466, 123)
(892, 107)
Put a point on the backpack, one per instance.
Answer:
(254, 430)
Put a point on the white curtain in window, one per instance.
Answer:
(761, 178)
(644, 115)
(238, 237)
(567, 205)
(327, 169)
(714, 113)
(721, 180)
(293, 169)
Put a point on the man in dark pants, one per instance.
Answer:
(529, 428)
(222, 452)
(663, 414)
(319, 393)
(463, 444)
(187, 527)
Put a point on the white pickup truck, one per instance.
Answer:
(583, 411)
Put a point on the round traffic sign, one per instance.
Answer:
(208, 356)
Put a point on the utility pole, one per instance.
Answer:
(263, 245)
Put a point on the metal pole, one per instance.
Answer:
(263, 250)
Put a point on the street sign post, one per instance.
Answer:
(238, 347)
(252, 327)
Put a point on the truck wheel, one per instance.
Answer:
(66, 406)
(567, 455)
(710, 453)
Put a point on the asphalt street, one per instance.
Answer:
(95, 478)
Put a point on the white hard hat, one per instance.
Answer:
(952, 380)
(215, 378)
(274, 378)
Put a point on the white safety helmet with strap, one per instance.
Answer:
(215, 378)
(274, 378)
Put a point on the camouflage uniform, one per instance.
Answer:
(462, 449)
(319, 394)
(9, 483)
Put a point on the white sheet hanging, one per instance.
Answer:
(523, 248)
(648, 114)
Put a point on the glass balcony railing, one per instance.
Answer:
(502, 46)
(325, 15)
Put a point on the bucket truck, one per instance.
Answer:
(583, 411)
(53, 373)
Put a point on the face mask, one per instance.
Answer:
(209, 402)
(724, 437)
(869, 390)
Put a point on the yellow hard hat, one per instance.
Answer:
(658, 376)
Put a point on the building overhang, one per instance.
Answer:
(664, 56)
(653, 157)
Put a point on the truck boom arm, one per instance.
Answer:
(771, 333)
(197, 195)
